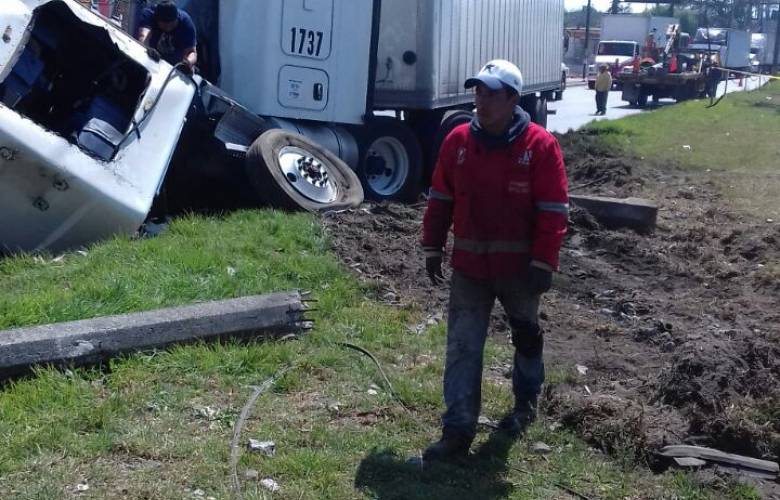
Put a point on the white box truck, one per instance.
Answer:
(762, 49)
(323, 67)
(731, 46)
(623, 37)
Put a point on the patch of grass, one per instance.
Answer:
(158, 425)
(734, 143)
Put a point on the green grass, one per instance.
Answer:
(158, 425)
(734, 143)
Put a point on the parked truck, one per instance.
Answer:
(624, 37)
(732, 47)
(96, 134)
(681, 74)
(762, 49)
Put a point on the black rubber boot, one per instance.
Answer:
(453, 445)
(518, 421)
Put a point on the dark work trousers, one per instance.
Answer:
(471, 302)
(601, 101)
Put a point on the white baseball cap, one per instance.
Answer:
(496, 74)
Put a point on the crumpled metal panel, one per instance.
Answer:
(53, 195)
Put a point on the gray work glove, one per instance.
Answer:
(539, 280)
(433, 267)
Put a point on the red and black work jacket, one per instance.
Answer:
(509, 205)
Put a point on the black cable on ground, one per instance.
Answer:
(381, 371)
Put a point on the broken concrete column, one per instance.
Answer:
(614, 213)
(89, 341)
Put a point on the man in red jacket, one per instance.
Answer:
(501, 182)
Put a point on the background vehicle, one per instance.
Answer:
(732, 46)
(681, 74)
(762, 47)
(624, 37)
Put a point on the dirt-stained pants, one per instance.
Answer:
(471, 302)
(601, 101)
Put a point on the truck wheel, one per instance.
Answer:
(425, 125)
(641, 100)
(287, 170)
(449, 124)
(591, 85)
(530, 105)
(559, 93)
(391, 160)
(541, 112)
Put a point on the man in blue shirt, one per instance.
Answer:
(171, 32)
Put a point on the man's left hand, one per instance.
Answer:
(539, 279)
(186, 67)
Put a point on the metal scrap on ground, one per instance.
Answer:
(689, 456)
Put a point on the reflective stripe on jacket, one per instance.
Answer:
(508, 205)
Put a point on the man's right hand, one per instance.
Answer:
(433, 267)
(153, 54)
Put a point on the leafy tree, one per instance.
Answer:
(576, 18)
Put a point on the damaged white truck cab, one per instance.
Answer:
(88, 126)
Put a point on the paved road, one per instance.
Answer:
(579, 103)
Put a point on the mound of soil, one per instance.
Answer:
(679, 329)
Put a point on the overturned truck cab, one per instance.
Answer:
(88, 126)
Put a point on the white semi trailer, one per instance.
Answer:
(329, 68)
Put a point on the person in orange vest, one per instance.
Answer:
(500, 183)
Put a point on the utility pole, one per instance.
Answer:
(777, 41)
(587, 40)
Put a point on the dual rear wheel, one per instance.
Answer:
(289, 171)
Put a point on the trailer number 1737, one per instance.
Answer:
(305, 42)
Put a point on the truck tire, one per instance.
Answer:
(289, 171)
(448, 124)
(591, 85)
(425, 124)
(530, 105)
(541, 112)
(391, 160)
(559, 92)
(641, 100)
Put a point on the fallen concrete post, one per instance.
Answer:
(93, 340)
(614, 213)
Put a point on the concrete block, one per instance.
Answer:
(614, 213)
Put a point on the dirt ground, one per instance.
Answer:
(678, 329)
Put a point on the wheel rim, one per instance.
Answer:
(307, 174)
(389, 166)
